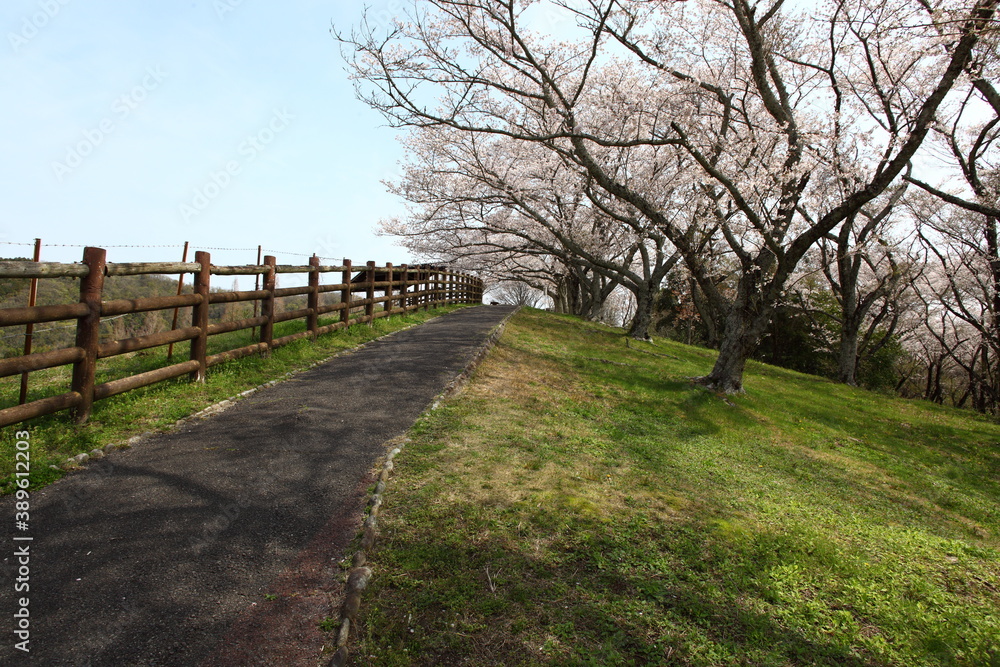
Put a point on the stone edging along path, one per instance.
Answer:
(360, 574)
(75, 462)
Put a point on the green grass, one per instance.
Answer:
(582, 503)
(54, 438)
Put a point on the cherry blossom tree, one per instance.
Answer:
(489, 196)
(867, 271)
(960, 226)
(792, 122)
(961, 295)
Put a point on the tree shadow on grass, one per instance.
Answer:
(594, 594)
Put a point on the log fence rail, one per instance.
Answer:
(403, 288)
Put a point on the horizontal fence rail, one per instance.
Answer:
(365, 293)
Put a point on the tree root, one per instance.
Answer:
(705, 382)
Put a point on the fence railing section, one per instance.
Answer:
(365, 293)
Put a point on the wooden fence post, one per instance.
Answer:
(436, 300)
(427, 286)
(29, 329)
(312, 320)
(256, 287)
(267, 307)
(88, 332)
(418, 288)
(388, 290)
(414, 282)
(199, 315)
(345, 294)
(404, 283)
(431, 286)
(370, 293)
(180, 290)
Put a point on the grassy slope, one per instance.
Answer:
(54, 438)
(581, 503)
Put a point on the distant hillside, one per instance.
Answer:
(54, 291)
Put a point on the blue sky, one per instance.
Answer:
(226, 123)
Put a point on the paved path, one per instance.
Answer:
(170, 553)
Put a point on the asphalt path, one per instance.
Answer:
(219, 543)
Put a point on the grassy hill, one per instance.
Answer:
(582, 503)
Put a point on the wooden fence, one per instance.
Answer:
(403, 288)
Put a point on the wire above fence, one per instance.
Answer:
(172, 245)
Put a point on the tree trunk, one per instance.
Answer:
(639, 329)
(559, 304)
(745, 324)
(707, 314)
(574, 302)
(937, 395)
(969, 390)
(929, 385)
(847, 362)
(595, 302)
(591, 300)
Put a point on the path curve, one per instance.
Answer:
(219, 543)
